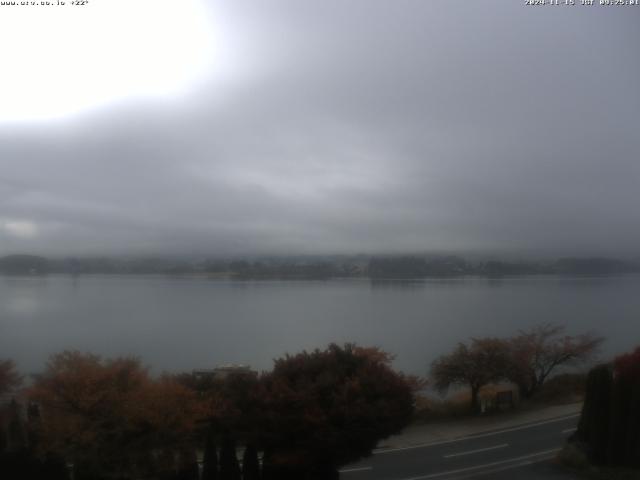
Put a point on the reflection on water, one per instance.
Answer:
(185, 323)
(21, 305)
(25, 299)
(408, 284)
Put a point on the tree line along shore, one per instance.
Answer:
(317, 267)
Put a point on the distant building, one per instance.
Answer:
(222, 372)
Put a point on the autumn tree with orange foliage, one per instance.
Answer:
(330, 407)
(109, 417)
(232, 414)
(539, 351)
(9, 377)
(314, 412)
(483, 361)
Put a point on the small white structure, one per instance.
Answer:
(223, 371)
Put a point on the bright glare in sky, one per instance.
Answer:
(61, 60)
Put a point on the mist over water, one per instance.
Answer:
(197, 183)
(178, 324)
(322, 127)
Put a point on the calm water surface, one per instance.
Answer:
(184, 323)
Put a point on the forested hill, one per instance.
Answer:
(317, 267)
(23, 264)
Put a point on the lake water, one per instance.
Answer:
(184, 323)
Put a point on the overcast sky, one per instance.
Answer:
(333, 126)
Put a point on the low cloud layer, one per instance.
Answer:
(346, 127)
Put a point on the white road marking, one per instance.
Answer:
(502, 469)
(516, 462)
(470, 452)
(359, 469)
(472, 437)
(569, 430)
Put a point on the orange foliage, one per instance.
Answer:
(542, 349)
(109, 412)
(9, 377)
(330, 407)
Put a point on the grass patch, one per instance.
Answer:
(428, 409)
(456, 405)
(562, 389)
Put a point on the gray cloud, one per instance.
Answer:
(361, 126)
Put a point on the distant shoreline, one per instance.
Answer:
(320, 268)
(240, 279)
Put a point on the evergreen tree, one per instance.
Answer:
(625, 432)
(145, 465)
(618, 418)
(210, 460)
(229, 467)
(633, 423)
(593, 428)
(166, 465)
(268, 471)
(250, 464)
(4, 443)
(16, 430)
(54, 468)
(188, 465)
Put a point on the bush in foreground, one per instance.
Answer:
(109, 418)
(331, 407)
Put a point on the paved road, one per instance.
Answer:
(522, 452)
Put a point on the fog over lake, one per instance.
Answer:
(184, 323)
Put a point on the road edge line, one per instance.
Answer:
(517, 460)
(474, 436)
